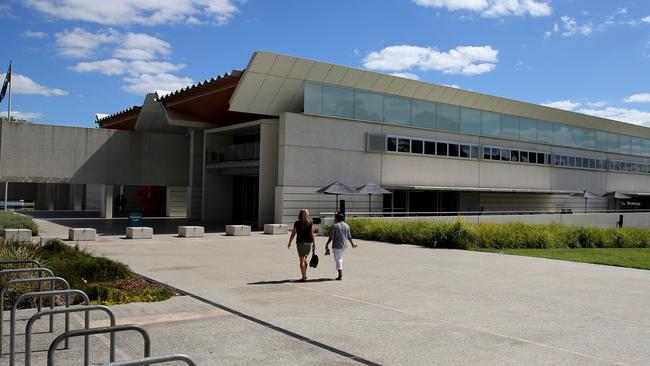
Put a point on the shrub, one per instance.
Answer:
(515, 235)
(10, 220)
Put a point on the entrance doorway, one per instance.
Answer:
(245, 198)
(420, 203)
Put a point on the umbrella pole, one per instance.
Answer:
(336, 209)
(585, 205)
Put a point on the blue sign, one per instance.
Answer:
(135, 219)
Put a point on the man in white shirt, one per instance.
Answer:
(339, 236)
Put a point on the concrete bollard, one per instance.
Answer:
(275, 229)
(238, 230)
(23, 235)
(139, 232)
(191, 231)
(82, 234)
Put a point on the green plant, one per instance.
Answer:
(10, 220)
(515, 235)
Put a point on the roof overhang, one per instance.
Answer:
(479, 189)
(122, 120)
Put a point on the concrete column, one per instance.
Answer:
(195, 186)
(268, 173)
(51, 196)
(107, 202)
(76, 196)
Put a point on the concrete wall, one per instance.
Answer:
(632, 219)
(57, 154)
(195, 188)
(315, 151)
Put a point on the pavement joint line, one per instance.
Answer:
(268, 325)
(460, 325)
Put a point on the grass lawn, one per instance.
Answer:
(621, 257)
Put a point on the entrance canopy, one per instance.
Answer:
(482, 189)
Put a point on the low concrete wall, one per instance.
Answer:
(59, 154)
(632, 219)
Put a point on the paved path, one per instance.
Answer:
(397, 305)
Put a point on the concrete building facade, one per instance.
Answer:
(253, 146)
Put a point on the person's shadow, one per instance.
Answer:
(279, 282)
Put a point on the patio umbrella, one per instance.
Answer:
(370, 189)
(336, 188)
(586, 195)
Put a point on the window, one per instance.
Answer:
(312, 98)
(453, 150)
(532, 157)
(578, 162)
(496, 153)
(404, 145)
(391, 144)
(572, 161)
(429, 147)
(637, 146)
(613, 142)
(397, 110)
(448, 118)
(423, 114)
(474, 152)
(523, 156)
(560, 135)
(465, 151)
(487, 153)
(337, 102)
(625, 144)
(592, 163)
(441, 149)
(527, 129)
(416, 146)
(564, 160)
(490, 124)
(600, 164)
(368, 106)
(576, 136)
(510, 127)
(590, 139)
(470, 121)
(505, 155)
(545, 132)
(514, 155)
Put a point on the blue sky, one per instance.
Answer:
(75, 58)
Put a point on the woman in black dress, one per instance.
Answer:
(305, 242)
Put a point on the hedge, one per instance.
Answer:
(516, 235)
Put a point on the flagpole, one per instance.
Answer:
(8, 120)
(9, 107)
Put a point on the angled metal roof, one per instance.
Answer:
(124, 119)
(273, 83)
(227, 79)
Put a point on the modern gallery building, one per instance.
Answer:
(255, 145)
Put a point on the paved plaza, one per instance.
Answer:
(397, 305)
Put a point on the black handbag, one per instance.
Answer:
(313, 262)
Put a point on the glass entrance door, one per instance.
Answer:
(245, 198)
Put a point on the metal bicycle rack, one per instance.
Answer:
(95, 331)
(74, 309)
(39, 280)
(39, 271)
(12, 324)
(155, 360)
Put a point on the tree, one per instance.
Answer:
(14, 119)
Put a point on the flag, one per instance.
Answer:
(5, 85)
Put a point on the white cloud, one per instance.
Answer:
(140, 46)
(141, 12)
(638, 98)
(407, 75)
(31, 34)
(467, 60)
(646, 19)
(145, 83)
(597, 104)
(493, 8)
(107, 67)
(21, 84)
(571, 27)
(29, 116)
(452, 86)
(563, 104)
(83, 44)
(634, 116)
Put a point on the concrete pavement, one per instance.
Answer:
(397, 305)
